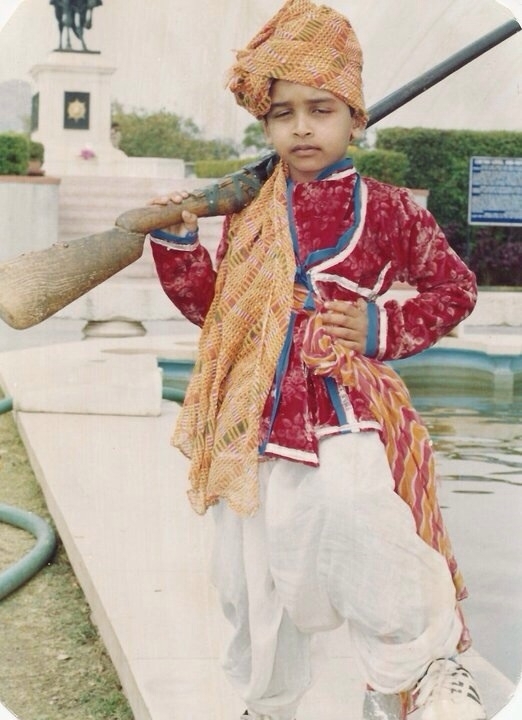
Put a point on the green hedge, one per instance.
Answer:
(219, 168)
(387, 166)
(439, 162)
(14, 153)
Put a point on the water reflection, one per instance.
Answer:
(478, 444)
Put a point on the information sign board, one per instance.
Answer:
(495, 191)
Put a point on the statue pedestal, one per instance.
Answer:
(72, 118)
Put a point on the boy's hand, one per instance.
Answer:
(348, 322)
(189, 222)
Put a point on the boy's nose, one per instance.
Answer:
(301, 126)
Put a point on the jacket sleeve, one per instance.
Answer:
(446, 289)
(186, 272)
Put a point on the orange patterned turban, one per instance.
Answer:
(303, 43)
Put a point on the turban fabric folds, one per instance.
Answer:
(303, 43)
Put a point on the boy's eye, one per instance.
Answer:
(282, 113)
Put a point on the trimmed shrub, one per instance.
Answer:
(387, 166)
(14, 153)
(219, 168)
(36, 151)
(496, 257)
(439, 162)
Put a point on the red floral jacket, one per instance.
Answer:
(353, 237)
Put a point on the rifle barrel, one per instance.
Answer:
(411, 90)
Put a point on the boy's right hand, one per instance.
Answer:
(189, 221)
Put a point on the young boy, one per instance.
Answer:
(318, 470)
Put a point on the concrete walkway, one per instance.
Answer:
(116, 490)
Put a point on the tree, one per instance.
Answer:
(254, 137)
(167, 135)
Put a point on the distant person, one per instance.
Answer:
(304, 443)
(115, 135)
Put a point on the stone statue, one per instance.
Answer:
(75, 15)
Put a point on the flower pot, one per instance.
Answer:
(34, 167)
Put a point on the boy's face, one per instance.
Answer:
(309, 128)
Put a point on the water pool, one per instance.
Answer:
(478, 444)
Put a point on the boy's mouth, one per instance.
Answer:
(304, 150)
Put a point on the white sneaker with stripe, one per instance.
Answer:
(448, 692)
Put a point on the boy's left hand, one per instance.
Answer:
(347, 321)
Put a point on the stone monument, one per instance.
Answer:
(71, 116)
(71, 109)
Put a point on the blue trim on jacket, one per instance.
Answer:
(372, 339)
(188, 239)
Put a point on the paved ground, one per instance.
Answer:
(116, 490)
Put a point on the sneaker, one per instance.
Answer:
(378, 706)
(447, 692)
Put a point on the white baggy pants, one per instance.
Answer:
(330, 544)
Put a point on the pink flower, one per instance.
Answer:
(87, 153)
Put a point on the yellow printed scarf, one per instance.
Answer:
(240, 343)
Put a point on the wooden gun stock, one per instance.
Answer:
(37, 284)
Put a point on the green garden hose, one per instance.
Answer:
(24, 569)
(6, 404)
